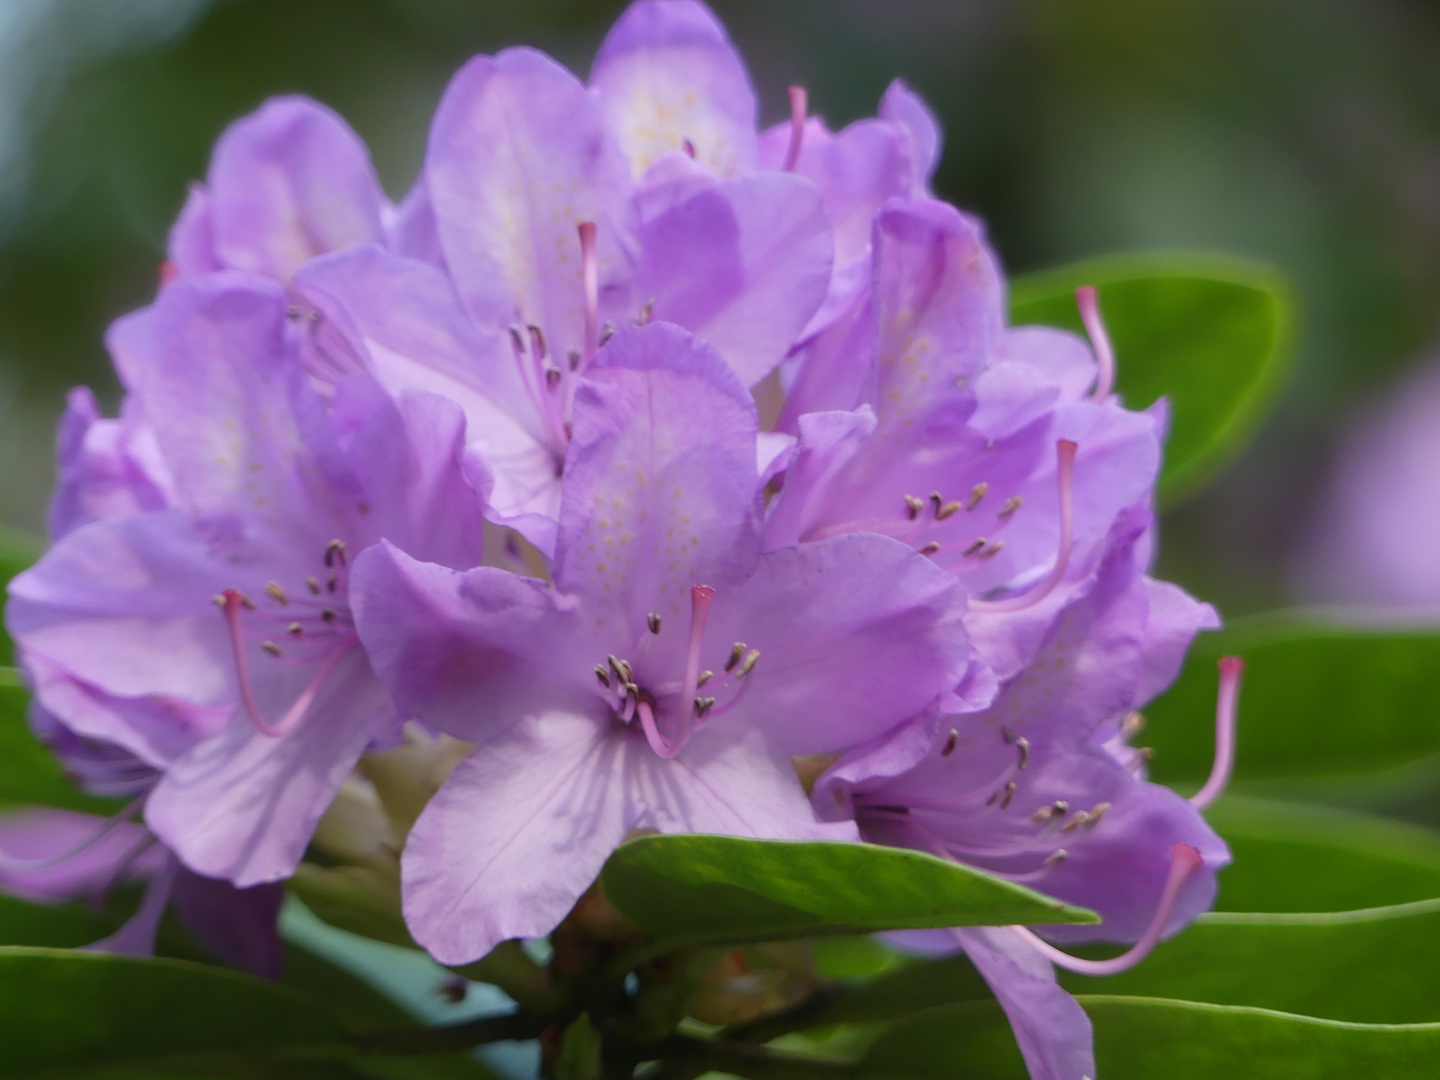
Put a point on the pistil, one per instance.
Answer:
(1088, 301)
(1231, 670)
(1064, 481)
(799, 107)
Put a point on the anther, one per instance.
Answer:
(703, 705)
(517, 340)
(888, 808)
(295, 629)
(913, 506)
(1132, 724)
(993, 550)
(976, 494)
(930, 547)
(270, 647)
(748, 664)
(313, 586)
(1009, 794)
(332, 583)
(1139, 758)
(737, 651)
(573, 355)
(975, 548)
(552, 378)
(647, 312)
(936, 501)
(1043, 815)
(632, 690)
(537, 341)
(1011, 505)
(607, 332)
(1065, 451)
(950, 509)
(1055, 858)
(218, 600)
(1008, 735)
(590, 280)
(653, 622)
(1096, 813)
(245, 601)
(704, 677)
(602, 675)
(1231, 670)
(276, 593)
(1080, 818)
(1023, 745)
(1087, 300)
(689, 148)
(950, 743)
(328, 614)
(335, 553)
(799, 106)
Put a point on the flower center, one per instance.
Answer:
(670, 713)
(316, 625)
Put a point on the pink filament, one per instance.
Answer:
(108, 826)
(297, 711)
(1088, 301)
(799, 106)
(1064, 479)
(168, 273)
(1231, 669)
(1184, 860)
(590, 274)
(662, 747)
(701, 597)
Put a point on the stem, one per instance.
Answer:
(451, 1037)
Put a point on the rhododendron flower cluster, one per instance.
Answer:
(487, 467)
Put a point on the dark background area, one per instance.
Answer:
(1305, 133)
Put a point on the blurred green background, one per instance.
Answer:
(1301, 132)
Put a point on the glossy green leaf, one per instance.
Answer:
(68, 1013)
(1209, 333)
(1295, 858)
(28, 772)
(1318, 700)
(1376, 966)
(62, 926)
(694, 889)
(1157, 1039)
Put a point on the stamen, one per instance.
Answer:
(234, 601)
(736, 652)
(1231, 669)
(976, 494)
(602, 675)
(705, 676)
(993, 550)
(552, 378)
(647, 312)
(975, 547)
(1064, 481)
(913, 506)
(295, 629)
(537, 341)
(950, 743)
(1088, 301)
(1011, 505)
(653, 622)
(950, 509)
(335, 553)
(271, 648)
(1184, 860)
(332, 583)
(701, 597)
(936, 502)
(799, 106)
(702, 706)
(748, 664)
(327, 614)
(662, 747)
(607, 332)
(590, 276)
(313, 586)
(930, 547)
(1132, 723)
(1023, 745)
(885, 808)
(689, 148)
(276, 593)
(573, 355)
(1055, 858)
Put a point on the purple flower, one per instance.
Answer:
(287, 183)
(1042, 788)
(253, 714)
(666, 676)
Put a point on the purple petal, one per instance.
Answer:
(35, 834)
(137, 936)
(666, 75)
(660, 483)
(920, 130)
(832, 372)
(412, 231)
(1051, 1028)
(236, 926)
(856, 634)
(1061, 357)
(765, 247)
(191, 249)
(289, 182)
(468, 653)
(107, 468)
(519, 155)
(243, 805)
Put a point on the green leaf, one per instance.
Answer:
(579, 1051)
(1318, 700)
(67, 1013)
(62, 926)
(1375, 966)
(1292, 857)
(1152, 1038)
(1210, 333)
(706, 889)
(28, 772)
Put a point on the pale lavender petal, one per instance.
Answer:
(412, 231)
(101, 474)
(832, 372)
(191, 249)
(1060, 356)
(743, 264)
(1175, 618)
(661, 482)
(236, 926)
(1051, 1028)
(38, 834)
(903, 107)
(519, 156)
(468, 653)
(1009, 396)
(137, 936)
(855, 634)
(667, 75)
(243, 805)
(289, 182)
